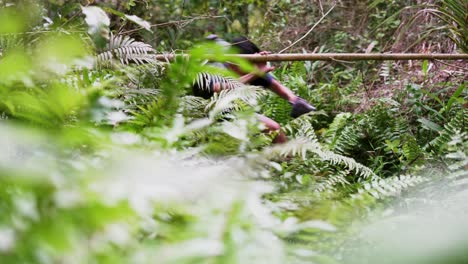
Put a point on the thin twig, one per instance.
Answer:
(74, 15)
(451, 65)
(310, 30)
(176, 22)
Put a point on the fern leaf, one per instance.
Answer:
(126, 50)
(9, 42)
(336, 159)
(225, 101)
(339, 122)
(146, 115)
(411, 150)
(300, 147)
(301, 127)
(456, 125)
(205, 80)
(343, 135)
(457, 157)
(381, 188)
(329, 182)
(193, 106)
(276, 108)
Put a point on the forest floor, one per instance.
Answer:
(437, 72)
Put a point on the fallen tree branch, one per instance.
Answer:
(335, 56)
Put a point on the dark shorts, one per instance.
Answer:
(263, 81)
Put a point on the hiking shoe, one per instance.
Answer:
(300, 107)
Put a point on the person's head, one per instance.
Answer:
(245, 46)
(218, 40)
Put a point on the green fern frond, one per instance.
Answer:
(331, 181)
(337, 159)
(411, 150)
(385, 71)
(381, 188)
(300, 147)
(228, 99)
(276, 108)
(146, 115)
(347, 140)
(193, 106)
(143, 75)
(343, 135)
(339, 122)
(134, 96)
(126, 50)
(301, 127)
(205, 80)
(459, 166)
(457, 158)
(389, 128)
(10, 41)
(456, 125)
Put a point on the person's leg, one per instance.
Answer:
(275, 86)
(283, 91)
(299, 105)
(273, 126)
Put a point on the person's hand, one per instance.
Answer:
(263, 67)
(264, 52)
(217, 87)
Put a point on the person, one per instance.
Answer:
(261, 77)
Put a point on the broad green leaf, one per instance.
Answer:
(429, 124)
(454, 97)
(425, 66)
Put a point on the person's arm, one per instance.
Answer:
(218, 87)
(283, 91)
(278, 88)
(246, 78)
(262, 70)
(254, 75)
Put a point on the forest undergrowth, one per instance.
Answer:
(107, 157)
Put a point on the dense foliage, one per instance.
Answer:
(107, 157)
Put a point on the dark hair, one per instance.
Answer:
(245, 46)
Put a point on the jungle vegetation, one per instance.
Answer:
(107, 157)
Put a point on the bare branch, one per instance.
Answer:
(336, 56)
(182, 22)
(308, 32)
